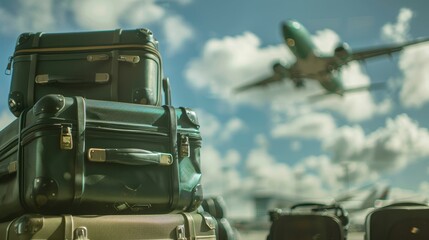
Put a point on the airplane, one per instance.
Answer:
(311, 64)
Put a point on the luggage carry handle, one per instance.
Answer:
(129, 156)
(99, 78)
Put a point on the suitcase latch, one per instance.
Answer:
(184, 147)
(66, 138)
(81, 233)
(180, 232)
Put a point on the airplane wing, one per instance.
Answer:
(370, 87)
(387, 50)
(279, 72)
(273, 78)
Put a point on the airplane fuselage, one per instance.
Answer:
(309, 62)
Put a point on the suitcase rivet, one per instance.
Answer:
(415, 230)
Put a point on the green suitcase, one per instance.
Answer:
(80, 156)
(117, 65)
(166, 226)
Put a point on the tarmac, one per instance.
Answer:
(262, 235)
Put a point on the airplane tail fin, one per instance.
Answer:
(370, 87)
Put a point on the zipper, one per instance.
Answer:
(147, 48)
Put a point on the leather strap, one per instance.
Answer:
(68, 227)
(191, 225)
(79, 178)
(114, 85)
(31, 77)
(175, 188)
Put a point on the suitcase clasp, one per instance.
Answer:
(81, 233)
(184, 149)
(66, 138)
(180, 232)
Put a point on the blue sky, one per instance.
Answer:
(271, 140)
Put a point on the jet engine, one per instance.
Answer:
(342, 51)
(279, 69)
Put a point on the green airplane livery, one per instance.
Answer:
(310, 64)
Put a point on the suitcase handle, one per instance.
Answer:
(129, 156)
(99, 78)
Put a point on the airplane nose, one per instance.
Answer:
(285, 28)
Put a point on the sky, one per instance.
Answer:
(272, 140)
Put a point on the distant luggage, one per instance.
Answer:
(313, 224)
(126, 227)
(118, 65)
(398, 221)
(80, 156)
(216, 207)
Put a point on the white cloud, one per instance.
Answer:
(177, 32)
(328, 172)
(29, 16)
(233, 126)
(357, 106)
(220, 175)
(295, 146)
(390, 148)
(312, 125)
(210, 125)
(399, 31)
(51, 16)
(184, 2)
(5, 118)
(102, 14)
(232, 61)
(414, 62)
(326, 40)
(215, 131)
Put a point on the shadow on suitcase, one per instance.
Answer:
(398, 221)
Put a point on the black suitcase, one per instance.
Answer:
(318, 221)
(398, 221)
(80, 156)
(166, 226)
(117, 65)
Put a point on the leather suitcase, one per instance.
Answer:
(398, 221)
(80, 156)
(117, 65)
(165, 226)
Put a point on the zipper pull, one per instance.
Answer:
(9, 66)
(66, 139)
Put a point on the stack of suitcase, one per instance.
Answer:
(94, 153)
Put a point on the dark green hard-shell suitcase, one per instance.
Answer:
(161, 226)
(81, 156)
(117, 65)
